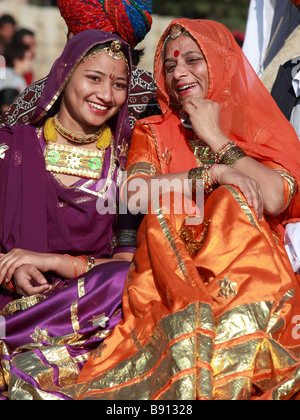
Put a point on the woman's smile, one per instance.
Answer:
(98, 108)
(184, 89)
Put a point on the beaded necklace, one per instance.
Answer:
(73, 160)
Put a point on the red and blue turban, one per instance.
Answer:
(130, 19)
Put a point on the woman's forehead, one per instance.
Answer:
(104, 62)
(183, 42)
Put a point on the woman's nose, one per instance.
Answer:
(180, 70)
(105, 93)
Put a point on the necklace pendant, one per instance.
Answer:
(84, 163)
(103, 136)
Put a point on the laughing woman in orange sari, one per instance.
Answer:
(210, 310)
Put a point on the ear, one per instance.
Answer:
(70, 35)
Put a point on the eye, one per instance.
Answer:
(193, 60)
(120, 85)
(93, 78)
(170, 69)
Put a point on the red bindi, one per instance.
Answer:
(176, 53)
(112, 75)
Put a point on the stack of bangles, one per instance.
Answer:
(228, 154)
(87, 263)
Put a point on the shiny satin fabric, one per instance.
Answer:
(210, 311)
(204, 317)
(50, 337)
(249, 115)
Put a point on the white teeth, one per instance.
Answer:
(187, 87)
(102, 108)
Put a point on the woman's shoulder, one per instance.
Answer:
(164, 124)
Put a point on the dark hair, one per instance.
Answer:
(8, 95)
(137, 55)
(14, 50)
(7, 19)
(20, 33)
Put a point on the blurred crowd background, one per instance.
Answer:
(33, 34)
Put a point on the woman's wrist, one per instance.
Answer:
(78, 265)
(215, 139)
(61, 265)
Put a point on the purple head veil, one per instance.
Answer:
(62, 71)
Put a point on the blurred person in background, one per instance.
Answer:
(19, 61)
(27, 37)
(7, 31)
(269, 24)
(7, 97)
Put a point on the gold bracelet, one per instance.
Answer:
(91, 262)
(203, 173)
(232, 156)
(223, 149)
(229, 154)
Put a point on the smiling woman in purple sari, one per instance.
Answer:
(63, 253)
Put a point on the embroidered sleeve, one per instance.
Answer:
(143, 154)
(145, 169)
(142, 158)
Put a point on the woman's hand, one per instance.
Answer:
(14, 259)
(205, 117)
(226, 175)
(25, 279)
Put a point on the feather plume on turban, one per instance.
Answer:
(130, 19)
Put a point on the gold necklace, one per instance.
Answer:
(72, 160)
(103, 136)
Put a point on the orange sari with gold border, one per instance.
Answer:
(210, 311)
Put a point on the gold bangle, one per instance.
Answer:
(203, 173)
(229, 153)
(232, 156)
(91, 262)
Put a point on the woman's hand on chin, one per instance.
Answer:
(205, 117)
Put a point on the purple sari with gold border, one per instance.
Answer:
(48, 337)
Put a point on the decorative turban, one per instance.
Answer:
(130, 19)
(296, 3)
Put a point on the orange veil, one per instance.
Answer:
(230, 273)
(249, 115)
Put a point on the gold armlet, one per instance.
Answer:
(229, 154)
(202, 173)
